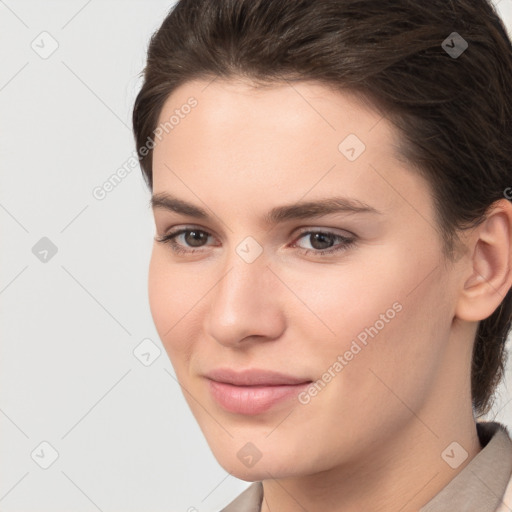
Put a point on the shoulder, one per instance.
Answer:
(506, 500)
(249, 500)
(502, 445)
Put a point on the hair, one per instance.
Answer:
(452, 112)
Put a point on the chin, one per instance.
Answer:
(262, 469)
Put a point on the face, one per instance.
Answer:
(348, 294)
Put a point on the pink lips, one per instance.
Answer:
(252, 391)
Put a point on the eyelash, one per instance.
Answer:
(346, 242)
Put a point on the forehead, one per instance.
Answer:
(287, 105)
(288, 140)
(234, 121)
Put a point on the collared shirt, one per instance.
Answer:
(479, 487)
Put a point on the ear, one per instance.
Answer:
(486, 276)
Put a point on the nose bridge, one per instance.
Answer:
(241, 304)
(245, 275)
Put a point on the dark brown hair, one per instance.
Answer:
(453, 112)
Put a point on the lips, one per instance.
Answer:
(254, 377)
(253, 391)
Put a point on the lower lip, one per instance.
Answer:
(252, 399)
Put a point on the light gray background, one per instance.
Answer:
(125, 438)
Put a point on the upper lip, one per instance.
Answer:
(254, 377)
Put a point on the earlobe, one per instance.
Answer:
(489, 269)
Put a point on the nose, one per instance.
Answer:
(245, 303)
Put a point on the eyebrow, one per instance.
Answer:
(299, 210)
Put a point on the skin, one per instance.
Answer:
(372, 438)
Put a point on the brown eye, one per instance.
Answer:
(189, 238)
(323, 242)
(194, 237)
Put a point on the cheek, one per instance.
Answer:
(396, 371)
(339, 301)
(171, 296)
(160, 301)
(378, 316)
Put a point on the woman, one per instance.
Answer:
(331, 271)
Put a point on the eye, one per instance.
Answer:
(194, 237)
(323, 242)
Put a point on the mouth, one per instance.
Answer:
(254, 377)
(253, 391)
